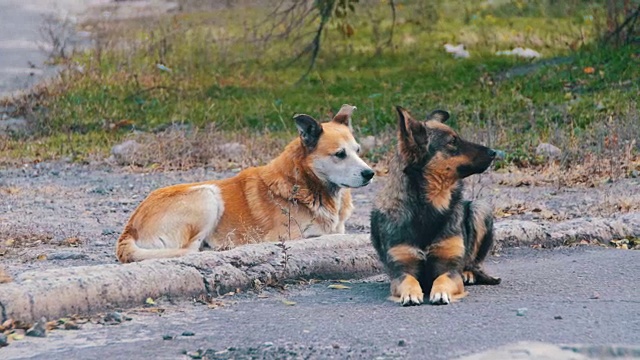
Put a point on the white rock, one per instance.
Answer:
(458, 51)
(13, 126)
(520, 52)
(549, 151)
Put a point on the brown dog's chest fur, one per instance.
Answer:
(275, 202)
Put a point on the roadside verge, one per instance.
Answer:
(88, 289)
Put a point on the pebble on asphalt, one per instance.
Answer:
(188, 333)
(38, 329)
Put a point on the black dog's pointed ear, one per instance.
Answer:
(412, 132)
(438, 115)
(309, 129)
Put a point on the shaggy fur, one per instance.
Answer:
(304, 192)
(427, 236)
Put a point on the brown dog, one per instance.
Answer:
(424, 233)
(303, 192)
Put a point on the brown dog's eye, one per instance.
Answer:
(341, 154)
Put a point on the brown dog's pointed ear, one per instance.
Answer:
(344, 115)
(309, 129)
(438, 115)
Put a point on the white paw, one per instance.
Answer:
(440, 298)
(409, 299)
(468, 277)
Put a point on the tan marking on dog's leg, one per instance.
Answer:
(407, 291)
(408, 256)
(446, 289)
(448, 248)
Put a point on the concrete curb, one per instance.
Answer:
(89, 289)
(532, 350)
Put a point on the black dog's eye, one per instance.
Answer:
(341, 154)
(453, 141)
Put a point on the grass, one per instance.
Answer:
(225, 76)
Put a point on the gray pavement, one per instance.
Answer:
(22, 51)
(563, 296)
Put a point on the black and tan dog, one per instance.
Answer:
(427, 236)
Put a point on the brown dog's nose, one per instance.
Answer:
(367, 174)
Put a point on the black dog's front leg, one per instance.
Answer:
(445, 262)
(404, 263)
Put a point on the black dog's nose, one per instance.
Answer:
(367, 174)
(492, 153)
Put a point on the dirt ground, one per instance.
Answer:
(59, 214)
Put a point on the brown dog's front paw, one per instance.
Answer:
(408, 291)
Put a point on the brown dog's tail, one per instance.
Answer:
(128, 251)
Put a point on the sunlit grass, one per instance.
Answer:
(220, 74)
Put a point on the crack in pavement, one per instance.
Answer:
(3, 312)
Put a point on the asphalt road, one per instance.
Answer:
(580, 295)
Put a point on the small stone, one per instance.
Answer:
(126, 152)
(70, 325)
(268, 344)
(521, 311)
(548, 151)
(167, 337)
(3, 340)
(401, 342)
(188, 333)
(336, 346)
(195, 354)
(106, 232)
(557, 317)
(114, 317)
(38, 329)
(66, 255)
(13, 126)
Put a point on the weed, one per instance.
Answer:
(230, 80)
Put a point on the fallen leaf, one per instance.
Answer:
(42, 257)
(338, 287)
(589, 70)
(288, 303)
(149, 301)
(70, 325)
(16, 336)
(72, 242)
